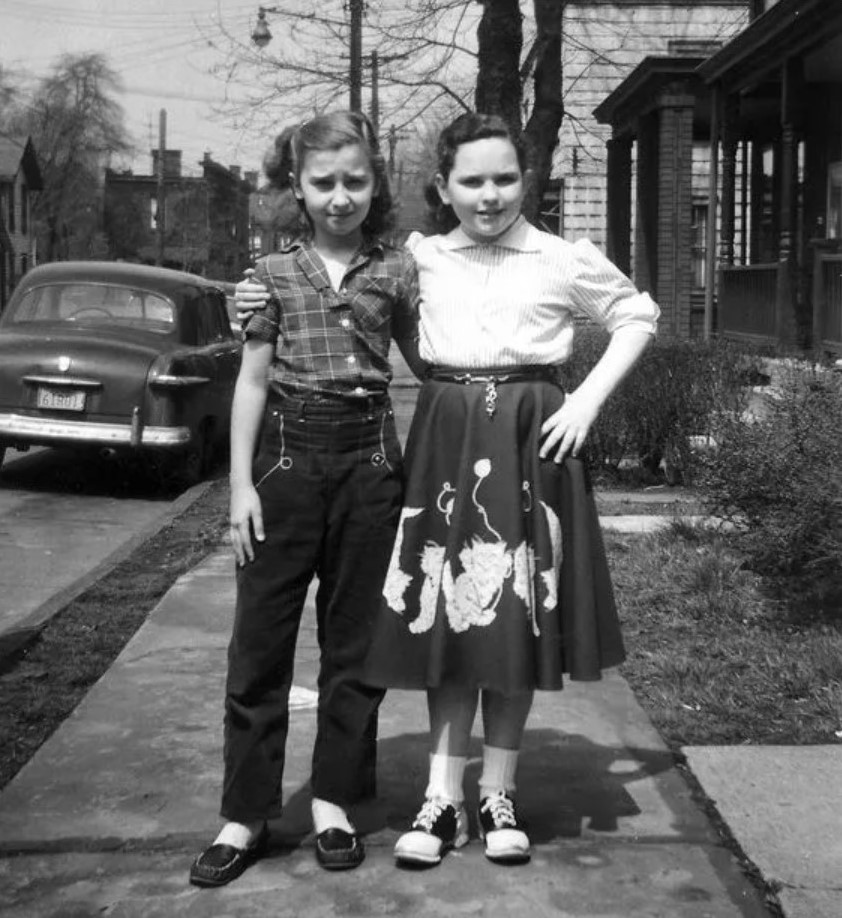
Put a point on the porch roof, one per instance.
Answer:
(790, 28)
(640, 91)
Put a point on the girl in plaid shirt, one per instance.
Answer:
(316, 489)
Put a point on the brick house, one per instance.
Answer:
(206, 218)
(20, 179)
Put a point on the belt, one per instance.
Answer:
(496, 375)
(491, 377)
(339, 407)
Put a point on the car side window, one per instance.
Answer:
(214, 316)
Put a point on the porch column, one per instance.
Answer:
(675, 201)
(755, 253)
(618, 228)
(711, 271)
(786, 325)
(646, 210)
(729, 182)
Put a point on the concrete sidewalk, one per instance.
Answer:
(107, 816)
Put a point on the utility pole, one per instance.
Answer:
(375, 93)
(160, 208)
(355, 72)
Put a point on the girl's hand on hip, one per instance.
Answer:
(246, 520)
(250, 295)
(564, 432)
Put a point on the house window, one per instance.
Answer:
(550, 219)
(698, 255)
(24, 208)
(10, 223)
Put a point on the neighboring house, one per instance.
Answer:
(767, 109)
(206, 218)
(602, 42)
(20, 179)
(274, 220)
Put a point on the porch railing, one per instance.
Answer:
(747, 297)
(827, 302)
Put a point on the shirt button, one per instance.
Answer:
(343, 291)
(345, 323)
(350, 359)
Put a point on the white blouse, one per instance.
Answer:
(513, 301)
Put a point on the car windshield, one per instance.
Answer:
(95, 304)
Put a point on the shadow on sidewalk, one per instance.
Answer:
(566, 784)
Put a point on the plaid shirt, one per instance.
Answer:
(330, 342)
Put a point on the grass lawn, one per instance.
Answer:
(715, 654)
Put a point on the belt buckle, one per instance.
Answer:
(490, 395)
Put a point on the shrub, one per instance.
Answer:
(779, 474)
(666, 407)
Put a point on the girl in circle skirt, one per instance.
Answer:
(498, 583)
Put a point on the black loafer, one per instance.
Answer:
(337, 849)
(220, 864)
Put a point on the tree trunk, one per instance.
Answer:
(500, 41)
(548, 108)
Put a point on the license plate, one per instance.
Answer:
(61, 399)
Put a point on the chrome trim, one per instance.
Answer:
(136, 435)
(54, 430)
(177, 382)
(67, 382)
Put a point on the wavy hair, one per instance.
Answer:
(332, 131)
(468, 127)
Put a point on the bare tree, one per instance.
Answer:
(435, 58)
(75, 125)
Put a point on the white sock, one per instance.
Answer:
(447, 773)
(327, 815)
(238, 834)
(498, 771)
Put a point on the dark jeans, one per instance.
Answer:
(330, 482)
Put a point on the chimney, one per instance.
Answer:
(251, 177)
(172, 163)
(235, 171)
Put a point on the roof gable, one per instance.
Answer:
(17, 153)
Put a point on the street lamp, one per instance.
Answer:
(261, 36)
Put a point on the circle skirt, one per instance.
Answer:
(498, 578)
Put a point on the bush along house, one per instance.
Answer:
(756, 255)
(20, 180)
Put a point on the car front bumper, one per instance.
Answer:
(46, 431)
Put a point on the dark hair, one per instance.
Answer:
(332, 131)
(468, 127)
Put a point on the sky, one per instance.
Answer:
(160, 50)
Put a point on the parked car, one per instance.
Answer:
(126, 358)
